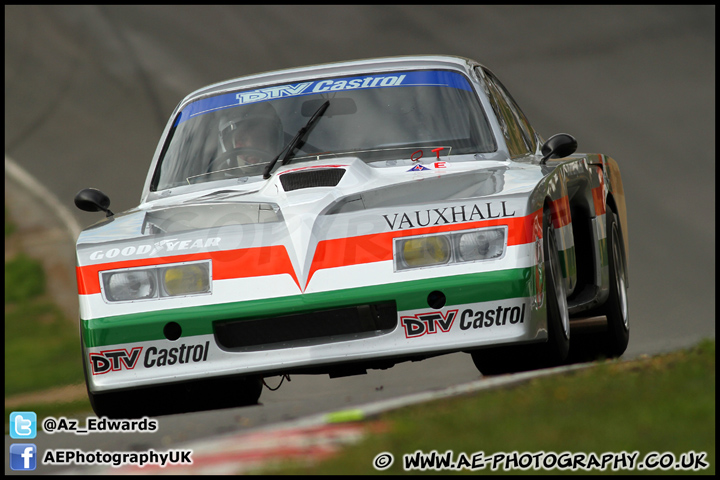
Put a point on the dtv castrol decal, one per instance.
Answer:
(160, 357)
(429, 323)
(121, 359)
(437, 78)
(114, 360)
(469, 317)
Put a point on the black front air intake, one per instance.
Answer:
(309, 328)
(320, 177)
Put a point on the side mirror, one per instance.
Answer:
(558, 146)
(93, 200)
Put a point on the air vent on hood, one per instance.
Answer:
(322, 177)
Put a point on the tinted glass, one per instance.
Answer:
(518, 137)
(373, 117)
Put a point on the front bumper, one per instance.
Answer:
(178, 345)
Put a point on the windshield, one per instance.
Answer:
(373, 117)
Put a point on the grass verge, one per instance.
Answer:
(42, 347)
(659, 404)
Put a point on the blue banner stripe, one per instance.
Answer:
(437, 78)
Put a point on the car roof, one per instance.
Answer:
(347, 68)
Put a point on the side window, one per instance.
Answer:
(522, 120)
(516, 129)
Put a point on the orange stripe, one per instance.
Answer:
(560, 210)
(599, 200)
(255, 262)
(226, 264)
(378, 247)
(598, 194)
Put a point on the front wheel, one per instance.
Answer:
(558, 316)
(178, 398)
(516, 358)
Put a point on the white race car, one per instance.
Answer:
(344, 217)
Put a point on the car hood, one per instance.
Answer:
(289, 206)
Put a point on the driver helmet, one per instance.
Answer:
(255, 126)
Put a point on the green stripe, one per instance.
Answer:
(459, 289)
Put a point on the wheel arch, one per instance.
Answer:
(615, 197)
(613, 208)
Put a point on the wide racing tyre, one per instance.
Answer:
(208, 394)
(558, 316)
(111, 405)
(105, 405)
(227, 392)
(178, 398)
(116, 405)
(616, 307)
(499, 360)
(516, 358)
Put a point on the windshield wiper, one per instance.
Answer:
(296, 140)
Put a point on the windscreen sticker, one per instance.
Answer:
(437, 151)
(418, 154)
(418, 168)
(436, 78)
(435, 165)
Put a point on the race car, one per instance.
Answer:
(343, 217)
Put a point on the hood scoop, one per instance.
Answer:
(314, 177)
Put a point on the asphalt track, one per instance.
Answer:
(88, 90)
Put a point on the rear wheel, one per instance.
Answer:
(616, 308)
(493, 361)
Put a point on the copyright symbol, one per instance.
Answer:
(49, 425)
(382, 461)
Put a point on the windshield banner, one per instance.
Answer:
(433, 78)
